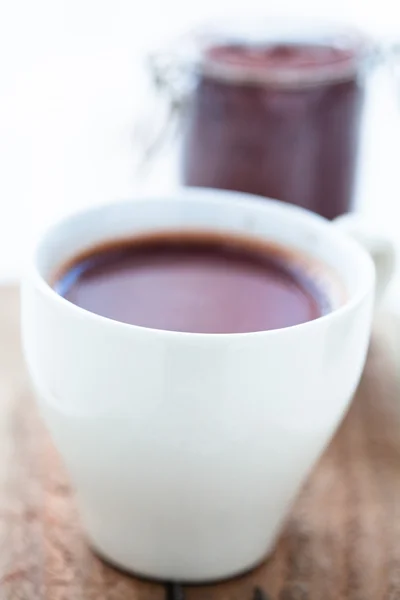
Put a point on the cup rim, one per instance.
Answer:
(216, 197)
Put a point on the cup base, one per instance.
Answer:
(155, 576)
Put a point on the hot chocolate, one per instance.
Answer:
(193, 282)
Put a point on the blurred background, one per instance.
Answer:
(74, 96)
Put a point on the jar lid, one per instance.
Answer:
(279, 53)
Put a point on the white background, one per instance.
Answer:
(71, 89)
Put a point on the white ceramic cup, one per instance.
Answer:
(187, 450)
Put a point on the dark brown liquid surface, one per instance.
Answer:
(192, 283)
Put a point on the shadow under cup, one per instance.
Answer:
(186, 450)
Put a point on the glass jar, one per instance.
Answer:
(272, 110)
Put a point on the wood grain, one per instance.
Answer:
(341, 542)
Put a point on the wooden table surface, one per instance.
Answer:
(342, 540)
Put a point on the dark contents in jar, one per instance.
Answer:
(294, 139)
